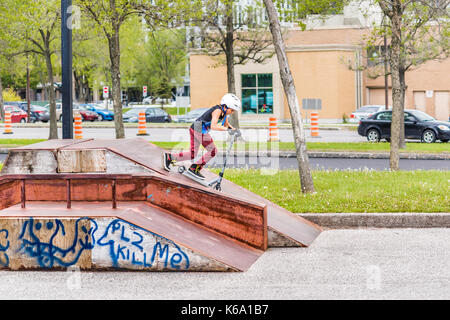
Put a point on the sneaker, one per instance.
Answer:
(167, 161)
(195, 171)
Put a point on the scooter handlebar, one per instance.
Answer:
(235, 132)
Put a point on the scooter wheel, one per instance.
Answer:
(181, 169)
(218, 187)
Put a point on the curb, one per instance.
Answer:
(314, 154)
(378, 220)
(345, 155)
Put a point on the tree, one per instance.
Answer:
(239, 39)
(109, 16)
(89, 52)
(295, 11)
(163, 62)
(306, 181)
(418, 31)
(35, 24)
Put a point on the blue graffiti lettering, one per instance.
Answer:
(47, 253)
(4, 245)
(161, 252)
(128, 242)
(137, 243)
(50, 244)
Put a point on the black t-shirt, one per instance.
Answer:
(203, 123)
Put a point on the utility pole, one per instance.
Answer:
(66, 53)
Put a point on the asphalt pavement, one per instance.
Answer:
(331, 163)
(340, 264)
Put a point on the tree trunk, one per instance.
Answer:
(2, 110)
(402, 143)
(397, 108)
(114, 52)
(229, 54)
(306, 181)
(53, 134)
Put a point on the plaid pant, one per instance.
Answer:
(197, 139)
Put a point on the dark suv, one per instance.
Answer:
(418, 125)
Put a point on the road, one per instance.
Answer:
(333, 163)
(340, 264)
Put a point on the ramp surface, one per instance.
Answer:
(282, 222)
(193, 248)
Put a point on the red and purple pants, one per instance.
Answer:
(197, 139)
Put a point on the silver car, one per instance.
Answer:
(365, 111)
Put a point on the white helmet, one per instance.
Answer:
(231, 101)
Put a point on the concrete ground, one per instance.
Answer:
(340, 264)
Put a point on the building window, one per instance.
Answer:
(257, 93)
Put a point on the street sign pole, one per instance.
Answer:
(106, 96)
(66, 54)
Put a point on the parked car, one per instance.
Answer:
(154, 100)
(103, 114)
(86, 114)
(58, 110)
(418, 125)
(17, 114)
(366, 111)
(151, 115)
(191, 116)
(13, 103)
(37, 113)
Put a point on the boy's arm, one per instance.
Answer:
(214, 121)
(227, 124)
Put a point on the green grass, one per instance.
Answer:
(378, 147)
(173, 111)
(10, 143)
(281, 146)
(351, 191)
(321, 146)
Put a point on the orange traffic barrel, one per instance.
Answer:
(314, 124)
(8, 126)
(273, 130)
(78, 127)
(142, 127)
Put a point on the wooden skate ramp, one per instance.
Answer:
(133, 225)
(284, 227)
(94, 212)
(243, 221)
(288, 228)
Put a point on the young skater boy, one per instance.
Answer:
(216, 118)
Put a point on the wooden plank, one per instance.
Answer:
(236, 255)
(9, 193)
(46, 190)
(230, 216)
(69, 161)
(93, 160)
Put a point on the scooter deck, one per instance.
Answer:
(200, 181)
